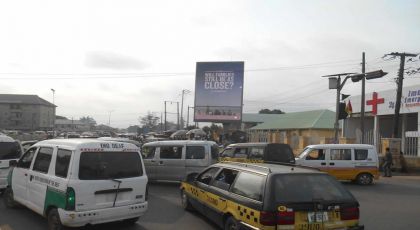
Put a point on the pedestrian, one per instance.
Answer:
(387, 163)
(403, 163)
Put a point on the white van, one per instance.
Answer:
(10, 150)
(355, 162)
(174, 160)
(76, 182)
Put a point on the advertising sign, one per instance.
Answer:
(218, 91)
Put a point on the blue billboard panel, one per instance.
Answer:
(218, 91)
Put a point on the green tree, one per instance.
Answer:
(88, 120)
(150, 122)
(268, 111)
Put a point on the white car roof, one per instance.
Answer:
(341, 146)
(179, 142)
(79, 143)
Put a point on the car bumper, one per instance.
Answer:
(77, 219)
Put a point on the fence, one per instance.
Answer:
(411, 143)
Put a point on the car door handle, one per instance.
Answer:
(323, 163)
(332, 163)
(153, 161)
(31, 177)
(26, 174)
(160, 162)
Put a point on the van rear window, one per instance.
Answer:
(301, 188)
(109, 165)
(9, 150)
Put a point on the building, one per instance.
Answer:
(65, 125)
(26, 112)
(379, 121)
(297, 129)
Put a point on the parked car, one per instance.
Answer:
(258, 153)
(10, 151)
(174, 160)
(80, 181)
(268, 196)
(355, 162)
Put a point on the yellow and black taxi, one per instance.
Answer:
(270, 196)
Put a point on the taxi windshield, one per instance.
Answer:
(303, 153)
(308, 188)
(107, 165)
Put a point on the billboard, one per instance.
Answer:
(218, 91)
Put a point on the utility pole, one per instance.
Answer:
(335, 83)
(184, 91)
(165, 115)
(161, 123)
(177, 115)
(399, 89)
(362, 103)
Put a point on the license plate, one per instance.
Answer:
(317, 217)
(315, 226)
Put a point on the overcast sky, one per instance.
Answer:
(129, 56)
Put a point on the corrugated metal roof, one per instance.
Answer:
(23, 99)
(259, 118)
(316, 119)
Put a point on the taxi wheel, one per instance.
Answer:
(186, 204)
(8, 199)
(364, 179)
(54, 222)
(231, 224)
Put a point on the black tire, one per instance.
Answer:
(231, 224)
(185, 201)
(54, 222)
(364, 179)
(132, 221)
(8, 199)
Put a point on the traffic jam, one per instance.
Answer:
(80, 182)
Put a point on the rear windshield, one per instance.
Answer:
(109, 165)
(9, 150)
(280, 153)
(302, 188)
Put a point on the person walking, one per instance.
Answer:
(387, 163)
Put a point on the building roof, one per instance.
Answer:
(23, 99)
(316, 119)
(69, 122)
(258, 118)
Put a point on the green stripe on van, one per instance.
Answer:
(54, 198)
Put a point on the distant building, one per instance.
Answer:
(65, 125)
(297, 129)
(26, 112)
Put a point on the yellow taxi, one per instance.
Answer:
(270, 196)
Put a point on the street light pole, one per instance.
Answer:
(109, 117)
(53, 123)
(362, 103)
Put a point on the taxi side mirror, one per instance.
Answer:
(191, 177)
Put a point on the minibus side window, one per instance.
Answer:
(195, 152)
(256, 153)
(62, 163)
(170, 152)
(360, 154)
(25, 161)
(43, 160)
(340, 154)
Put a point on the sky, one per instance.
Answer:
(118, 60)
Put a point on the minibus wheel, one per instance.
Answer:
(231, 224)
(8, 199)
(186, 204)
(54, 222)
(364, 179)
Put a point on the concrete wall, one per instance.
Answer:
(26, 117)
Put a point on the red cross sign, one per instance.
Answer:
(374, 103)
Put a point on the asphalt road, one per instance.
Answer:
(392, 203)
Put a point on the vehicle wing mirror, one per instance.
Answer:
(13, 163)
(191, 177)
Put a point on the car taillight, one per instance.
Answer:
(286, 218)
(349, 213)
(70, 199)
(268, 218)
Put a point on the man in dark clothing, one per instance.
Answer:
(387, 163)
